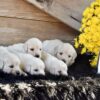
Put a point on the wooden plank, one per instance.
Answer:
(14, 30)
(23, 10)
(68, 11)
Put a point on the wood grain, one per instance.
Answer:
(20, 21)
(67, 11)
(14, 30)
(22, 10)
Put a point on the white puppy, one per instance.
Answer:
(63, 51)
(31, 65)
(9, 63)
(32, 46)
(53, 65)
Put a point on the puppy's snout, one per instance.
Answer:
(64, 60)
(65, 74)
(18, 73)
(38, 56)
(11, 66)
(43, 73)
(60, 73)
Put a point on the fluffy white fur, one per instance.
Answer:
(9, 63)
(31, 64)
(32, 46)
(53, 65)
(63, 51)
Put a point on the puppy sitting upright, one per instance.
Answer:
(9, 63)
(32, 46)
(63, 51)
(53, 65)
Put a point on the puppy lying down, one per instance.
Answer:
(9, 63)
(32, 46)
(23, 58)
(53, 65)
(63, 51)
(30, 64)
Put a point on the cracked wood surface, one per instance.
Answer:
(67, 11)
(19, 21)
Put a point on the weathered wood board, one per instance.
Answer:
(17, 30)
(68, 11)
(20, 21)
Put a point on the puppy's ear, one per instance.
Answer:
(43, 55)
(75, 55)
(22, 67)
(26, 47)
(1, 64)
(56, 51)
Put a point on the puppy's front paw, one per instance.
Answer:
(24, 74)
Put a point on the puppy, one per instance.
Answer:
(63, 51)
(9, 63)
(32, 46)
(31, 65)
(53, 65)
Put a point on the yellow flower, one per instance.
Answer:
(83, 51)
(94, 61)
(98, 1)
(89, 22)
(95, 20)
(89, 38)
(97, 11)
(76, 43)
(85, 13)
(80, 29)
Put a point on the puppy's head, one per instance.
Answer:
(11, 65)
(34, 47)
(66, 53)
(36, 69)
(59, 69)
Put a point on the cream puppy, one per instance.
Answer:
(63, 51)
(31, 65)
(53, 65)
(9, 63)
(32, 46)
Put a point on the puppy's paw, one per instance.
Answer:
(24, 74)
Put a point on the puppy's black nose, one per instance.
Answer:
(37, 56)
(59, 72)
(17, 73)
(11, 66)
(63, 60)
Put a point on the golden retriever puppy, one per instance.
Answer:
(9, 63)
(32, 46)
(63, 51)
(53, 65)
(31, 64)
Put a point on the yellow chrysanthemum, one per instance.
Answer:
(89, 39)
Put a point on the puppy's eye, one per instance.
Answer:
(32, 49)
(11, 66)
(69, 56)
(60, 53)
(36, 70)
